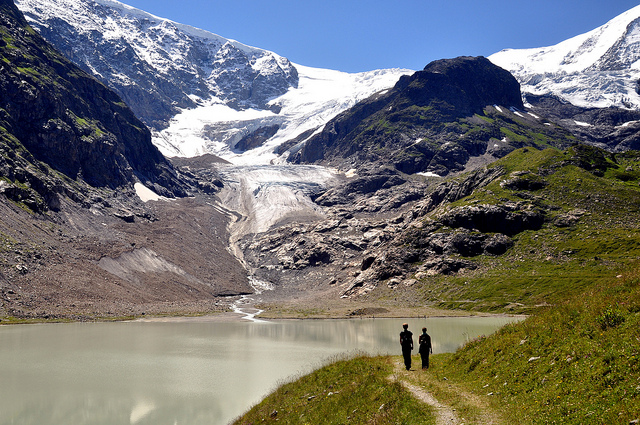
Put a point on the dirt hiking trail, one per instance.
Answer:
(466, 408)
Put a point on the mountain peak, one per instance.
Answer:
(482, 81)
(420, 125)
(600, 68)
(156, 65)
(467, 84)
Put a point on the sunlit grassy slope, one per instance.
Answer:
(577, 363)
(591, 201)
(356, 391)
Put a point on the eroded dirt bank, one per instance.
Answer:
(170, 258)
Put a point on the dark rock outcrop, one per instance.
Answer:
(466, 84)
(256, 138)
(509, 218)
(347, 193)
(615, 129)
(68, 120)
(436, 120)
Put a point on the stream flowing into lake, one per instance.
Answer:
(184, 372)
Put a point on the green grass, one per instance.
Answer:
(356, 391)
(576, 363)
(30, 71)
(591, 232)
(512, 135)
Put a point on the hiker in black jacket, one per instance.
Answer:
(425, 348)
(406, 342)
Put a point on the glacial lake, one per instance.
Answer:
(184, 372)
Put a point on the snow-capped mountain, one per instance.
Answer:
(199, 92)
(600, 68)
(157, 65)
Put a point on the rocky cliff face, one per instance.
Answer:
(435, 121)
(67, 119)
(157, 66)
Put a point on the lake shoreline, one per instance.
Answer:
(230, 316)
(269, 317)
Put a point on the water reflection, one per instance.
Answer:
(182, 373)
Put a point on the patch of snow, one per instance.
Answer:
(582, 124)
(146, 194)
(428, 174)
(351, 173)
(534, 115)
(498, 108)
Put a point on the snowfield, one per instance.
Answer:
(597, 69)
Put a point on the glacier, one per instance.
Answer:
(321, 95)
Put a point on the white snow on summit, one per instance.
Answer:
(80, 13)
(597, 69)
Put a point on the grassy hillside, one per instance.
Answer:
(577, 363)
(590, 202)
(355, 391)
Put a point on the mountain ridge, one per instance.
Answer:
(600, 68)
(163, 65)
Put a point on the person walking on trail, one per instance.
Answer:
(425, 348)
(406, 342)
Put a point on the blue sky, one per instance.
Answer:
(354, 36)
